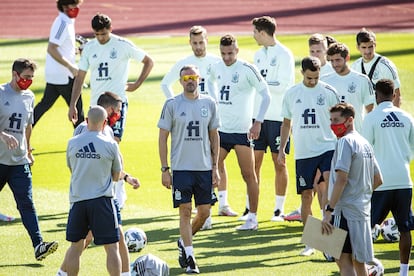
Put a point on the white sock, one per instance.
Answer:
(280, 203)
(404, 269)
(126, 273)
(222, 199)
(247, 202)
(61, 273)
(252, 216)
(321, 213)
(189, 251)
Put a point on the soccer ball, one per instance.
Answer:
(376, 232)
(389, 230)
(135, 239)
(375, 268)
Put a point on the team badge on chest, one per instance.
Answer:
(352, 88)
(320, 100)
(113, 54)
(204, 112)
(235, 78)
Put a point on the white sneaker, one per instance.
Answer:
(244, 216)
(207, 224)
(307, 251)
(226, 211)
(278, 216)
(250, 224)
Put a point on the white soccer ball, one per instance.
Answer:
(135, 239)
(376, 232)
(389, 230)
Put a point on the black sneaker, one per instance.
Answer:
(328, 257)
(182, 257)
(191, 266)
(44, 249)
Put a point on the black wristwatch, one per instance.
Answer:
(329, 209)
(164, 169)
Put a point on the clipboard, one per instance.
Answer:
(331, 244)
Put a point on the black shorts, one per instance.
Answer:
(189, 183)
(270, 137)
(397, 201)
(306, 170)
(98, 215)
(229, 140)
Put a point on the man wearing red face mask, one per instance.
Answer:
(60, 68)
(16, 118)
(354, 175)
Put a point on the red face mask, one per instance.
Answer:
(113, 118)
(339, 129)
(72, 13)
(23, 83)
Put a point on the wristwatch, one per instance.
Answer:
(329, 209)
(164, 169)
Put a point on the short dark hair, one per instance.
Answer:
(364, 36)
(228, 40)
(385, 88)
(338, 48)
(311, 63)
(61, 3)
(21, 64)
(101, 21)
(345, 109)
(265, 23)
(109, 99)
(188, 67)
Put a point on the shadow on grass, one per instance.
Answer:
(33, 265)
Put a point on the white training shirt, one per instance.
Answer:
(203, 64)
(189, 122)
(109, 64)
(353, 88)
(277, 66)
(308, 110)
(62, 33)
(16, 112)
(385, 69)
(326, 69)
(391, 132)
(237, 85)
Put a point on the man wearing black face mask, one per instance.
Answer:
(60, 67)
(16, 118)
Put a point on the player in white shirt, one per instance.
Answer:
(276, 64)
(237, 82)
(60, 66)
(352, 87)
(373, 65)
(200, 58)
(305, 110)
(318, 45)
(107, 56)
(391, 132)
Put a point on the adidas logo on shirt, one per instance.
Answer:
(391, 120)
(88, 151)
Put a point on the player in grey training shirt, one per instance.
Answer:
(354, 175)
(191, 119)
(94, 161)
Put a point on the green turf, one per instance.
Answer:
(272, 250)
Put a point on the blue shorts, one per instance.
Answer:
(306, 170)
(229, 140)
(119, 126)
(98, 215)
(270, 137)
(397, 201)
(189, 183)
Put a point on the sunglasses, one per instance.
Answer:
(189, 77)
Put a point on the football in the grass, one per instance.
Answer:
(135, 239)
(389, 230)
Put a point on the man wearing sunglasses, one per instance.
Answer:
(192, 120)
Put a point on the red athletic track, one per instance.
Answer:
(32, 18)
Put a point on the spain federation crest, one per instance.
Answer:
(204, 112)
(320, 100)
